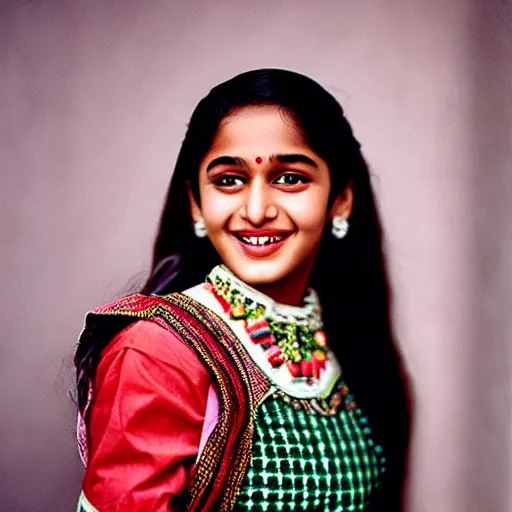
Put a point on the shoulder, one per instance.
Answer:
(134, 323)
(154, 348)
(137, 327)
(148, 337)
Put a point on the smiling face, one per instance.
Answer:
(264, 199)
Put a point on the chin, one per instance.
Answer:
(289, 261)
(260, 273)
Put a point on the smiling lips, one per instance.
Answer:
(261, 243)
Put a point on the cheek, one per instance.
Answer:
(310, 218)
(309, 214)
(217, 209)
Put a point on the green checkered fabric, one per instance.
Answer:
(308, 462)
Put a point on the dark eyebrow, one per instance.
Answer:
(294, 159)
(226, 160)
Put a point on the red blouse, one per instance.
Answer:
(146, 420)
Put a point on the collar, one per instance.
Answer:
(309, 314)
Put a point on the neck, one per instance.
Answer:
(290, 290)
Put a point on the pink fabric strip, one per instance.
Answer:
(211, 417)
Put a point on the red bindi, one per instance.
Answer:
(259, 160)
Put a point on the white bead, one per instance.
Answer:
(339, 226)
(200, 228)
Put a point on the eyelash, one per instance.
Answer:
(221, 182)
(301, 179)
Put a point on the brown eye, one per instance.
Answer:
(229, 181)
(292, 179)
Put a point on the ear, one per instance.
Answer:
(195, 211)
(343, 203)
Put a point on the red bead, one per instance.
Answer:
(317, 366)
(306, 368)
(294, 368)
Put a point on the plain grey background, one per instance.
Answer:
(94, 101)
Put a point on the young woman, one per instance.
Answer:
(256, 369)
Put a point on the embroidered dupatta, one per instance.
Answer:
(223, 463)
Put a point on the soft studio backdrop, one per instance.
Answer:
(95, 97)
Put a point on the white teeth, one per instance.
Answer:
(262, 240)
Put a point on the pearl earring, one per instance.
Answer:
(339, 226)
(200, 228)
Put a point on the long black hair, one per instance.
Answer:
(349, 274)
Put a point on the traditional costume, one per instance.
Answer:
(219, 398)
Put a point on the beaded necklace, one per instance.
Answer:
(289, 335)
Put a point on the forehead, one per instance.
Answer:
(258, 128)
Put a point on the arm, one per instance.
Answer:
(145, 422)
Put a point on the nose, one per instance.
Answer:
(258, 207)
